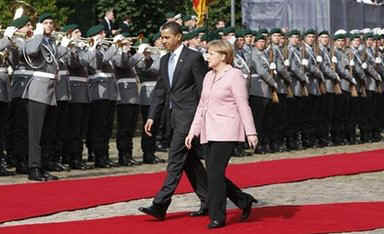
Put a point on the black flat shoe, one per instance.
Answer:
(36, 174)
(215, 224)
(200, 212)
(248, 209)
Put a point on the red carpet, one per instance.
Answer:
(37, 199)
(327, 218)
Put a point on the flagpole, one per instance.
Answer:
(233, 13)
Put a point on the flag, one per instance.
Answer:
(201, 9)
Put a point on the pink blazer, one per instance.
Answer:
(223, 113)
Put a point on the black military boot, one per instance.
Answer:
(3, 167)
(123, 160)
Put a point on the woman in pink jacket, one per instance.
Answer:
(223, 118)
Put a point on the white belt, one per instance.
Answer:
(126, 80)
(35, 73)
(148, 83)
(63, 73)
(101, 75)
(78, 78)
(3, 69)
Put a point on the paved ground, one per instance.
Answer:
(362, 187)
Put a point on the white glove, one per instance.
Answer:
(272, 66)
(319, 59)
(352, 63)
(10, 31)
(364, 66)
(334, 59)
(96, 42)
(378, 60)
(126, 48)
(338, 78)
(65, 41)
(81, 44)
(354, 81)
(142, 47)
(305, 62)
(118, 38)
(287, 63)
(39, 29)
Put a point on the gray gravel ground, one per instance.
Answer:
(362, 187)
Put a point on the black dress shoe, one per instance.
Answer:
(5, 172)
(36, 173)
(248, 209)
(49, 176)
(215, 224)
(154, 211)
(200, 212)
(134, 162)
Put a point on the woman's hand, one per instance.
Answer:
(188, 141)
(252, 141)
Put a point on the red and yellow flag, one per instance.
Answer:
(201, 9)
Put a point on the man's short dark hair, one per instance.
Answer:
(173, 26)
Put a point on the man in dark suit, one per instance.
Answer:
(108, 24)
(126, 26)
(182, 71)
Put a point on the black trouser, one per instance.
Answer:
(62, 130)
(279, 120)
(311, 119)
(341, 118)
(3, 123)
(148, 142)
(78, 120)
(181, 159)
(327, 107)
(41, 133)
(18, 130)
(219, 187)
(126, 126)
(164, 132)
(100, 129)
(367, 118)
(354, 117)
(259, 107)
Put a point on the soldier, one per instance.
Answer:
(260, 91)
(358, 66)
(103, 95)
(312, 103)
(332, 84)
(128, 105)
(378, 47)
(148, 72)
(343, 123)
(42, 63)
(300, 81)
(283, 79)
(78, 107)
(18, 120)
(374, 90)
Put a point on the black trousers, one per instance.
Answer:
(260, 107)
(219, 187)
(341, 117)
(18, 130)
(126, 126)
(3, 123)
(279, 120)
(62, 129)
(41, 133)
(181, 159)
(148, 142)
(327, 108)
(99, 129)
(78, 119)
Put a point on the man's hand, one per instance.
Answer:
(148, 127)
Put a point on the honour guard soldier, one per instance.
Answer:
(299, 85)
(261, 86)
(128, 105)
(332, 84)
(42, 63)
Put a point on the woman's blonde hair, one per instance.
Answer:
(222, 47)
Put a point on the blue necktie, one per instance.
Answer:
(171, 67)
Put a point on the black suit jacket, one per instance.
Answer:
(108, 31)
(184, 94)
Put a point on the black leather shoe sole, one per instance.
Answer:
(152, 213)
(215, 224)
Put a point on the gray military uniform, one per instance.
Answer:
(330, 75)
(297, 71)
(342, 69)
(148, 73)
(282, 76)
(261, 80)
(313, 72)
(63, 87)
(373, 77)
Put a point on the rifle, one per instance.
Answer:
(362, 86)
(336, 87)
(285, 53)
(316, 52)
(275, 97)
(304, 89)
(379, 88)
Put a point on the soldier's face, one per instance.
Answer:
(355, 42)
(27, 28)
(309, 39)
(340, 43)
(248, 39)
(48, 26)
(170, 39)
(324, 39)
(76, 34)
(294, 40)
(370, 42)
(275, 38)
(260, 44)
(240, 42)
